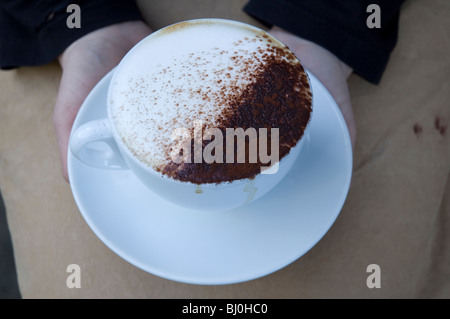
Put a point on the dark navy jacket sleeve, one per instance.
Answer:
(36, 32)
(340, 26)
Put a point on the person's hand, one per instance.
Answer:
(328, 69)
(84, 63)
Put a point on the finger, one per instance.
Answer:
(66, 106)
(72, 92)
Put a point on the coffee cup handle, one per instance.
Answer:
(93, 144)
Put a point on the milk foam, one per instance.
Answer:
(179, 76)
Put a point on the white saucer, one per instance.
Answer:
(221, 247)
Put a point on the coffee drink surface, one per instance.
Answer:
(221, 75)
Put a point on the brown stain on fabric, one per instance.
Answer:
(418, 129)
(440, 125)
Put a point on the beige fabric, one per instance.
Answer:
(396, 215)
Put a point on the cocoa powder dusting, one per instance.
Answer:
(279, 97)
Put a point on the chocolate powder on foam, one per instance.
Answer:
(279, 97)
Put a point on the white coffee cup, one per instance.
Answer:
(208, 196)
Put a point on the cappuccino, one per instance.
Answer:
(220, 74)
